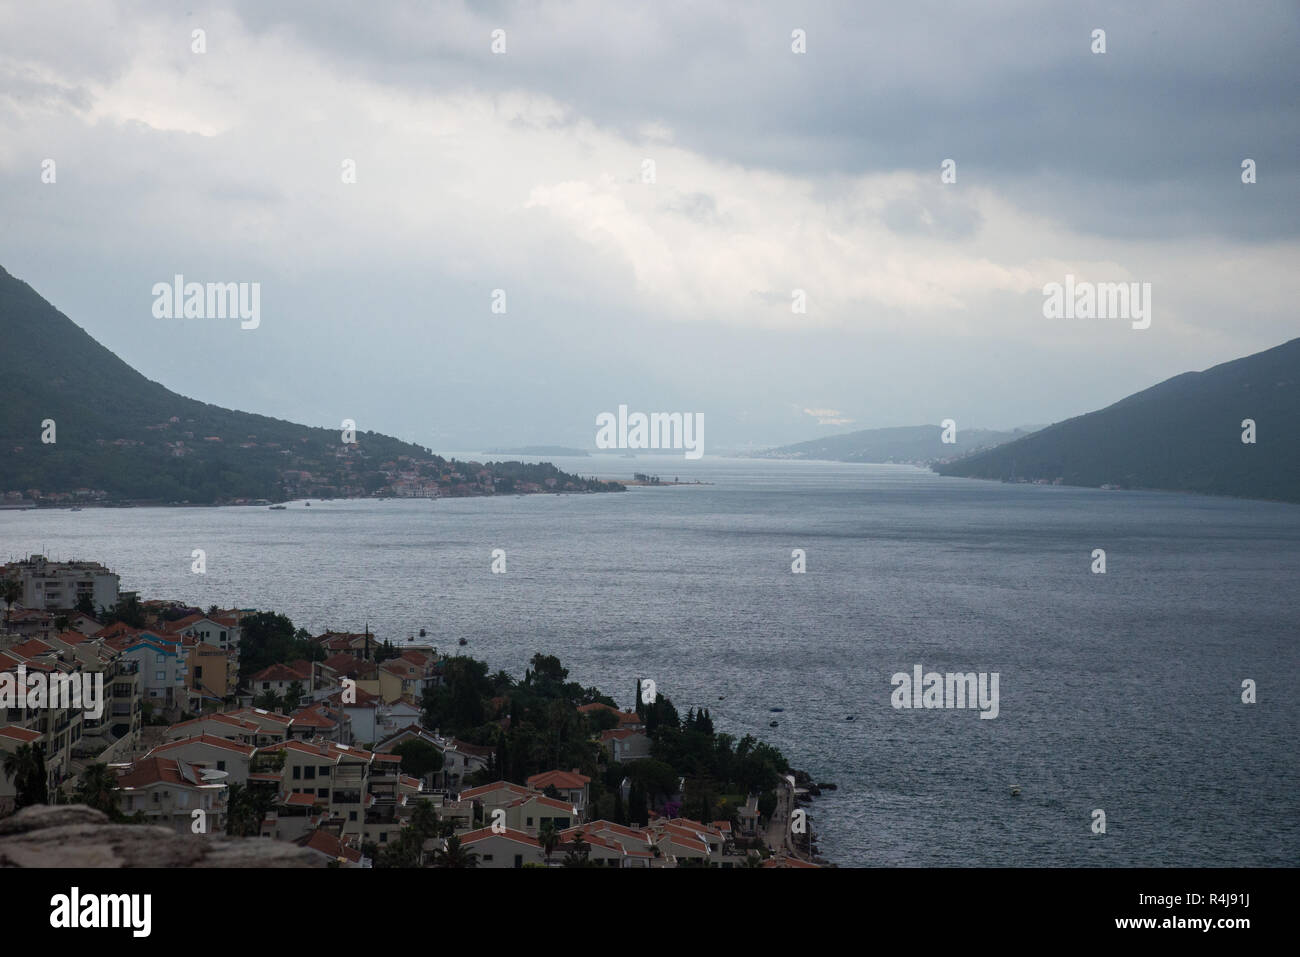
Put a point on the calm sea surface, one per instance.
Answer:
(1119, 691)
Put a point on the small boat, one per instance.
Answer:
(776, 710)
(75, 508)
(462, 642)
(422, 632)
(1015, 790)
(774, 724)
(308, 504)
(849, 717)
(278, 508)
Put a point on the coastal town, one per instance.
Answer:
(361, 753)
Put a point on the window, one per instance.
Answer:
(324, 770)
(221, 765)
(487, 857)
(352, 815)
(309, 772)
(519, 860)
(223, 636)
(383, 837)
(162, 660)
(160, 676)
(297, 772)
(323, 792)
(198, 673)
(530, 822)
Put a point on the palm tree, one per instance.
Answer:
(97, 787)
(245, 809)
(453, 855)
(548, 836)
(424, 825)
(26, 768)
(10, 591)
(424, 820)
(293, 697)
(406, 851)
(578, 853)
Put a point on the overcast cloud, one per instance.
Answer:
(774, 171)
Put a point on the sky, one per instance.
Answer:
(650, 191)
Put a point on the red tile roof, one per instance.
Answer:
(545, 802)
(509, 833)
(148, 771)
(494, 786)
(222, 743)
(302, 800)
(31, 648)
(277, 672)
(326, 843)
(565, 780)
(23, 735)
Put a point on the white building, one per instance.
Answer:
(169, 792)
(222, 631)
(57, 586)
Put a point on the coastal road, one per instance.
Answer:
(778, 829)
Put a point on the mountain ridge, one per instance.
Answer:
(910, 444)
(119, 436)
(1183, 434)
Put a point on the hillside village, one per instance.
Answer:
(230, 721)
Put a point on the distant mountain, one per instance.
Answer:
(914, 444)
(120, 437)
(1184, 434)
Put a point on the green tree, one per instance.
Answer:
(127, 610)
(548, 836)
(243, 818)
(26, 768)
(577, 852)
(293, 697)
(454, 855)
(424, 819)
(10, 591)
(637, 811)
(97, 788)
(419, 757)
(267, 638)
(406, 851)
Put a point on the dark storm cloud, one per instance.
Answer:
(1144, 140)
